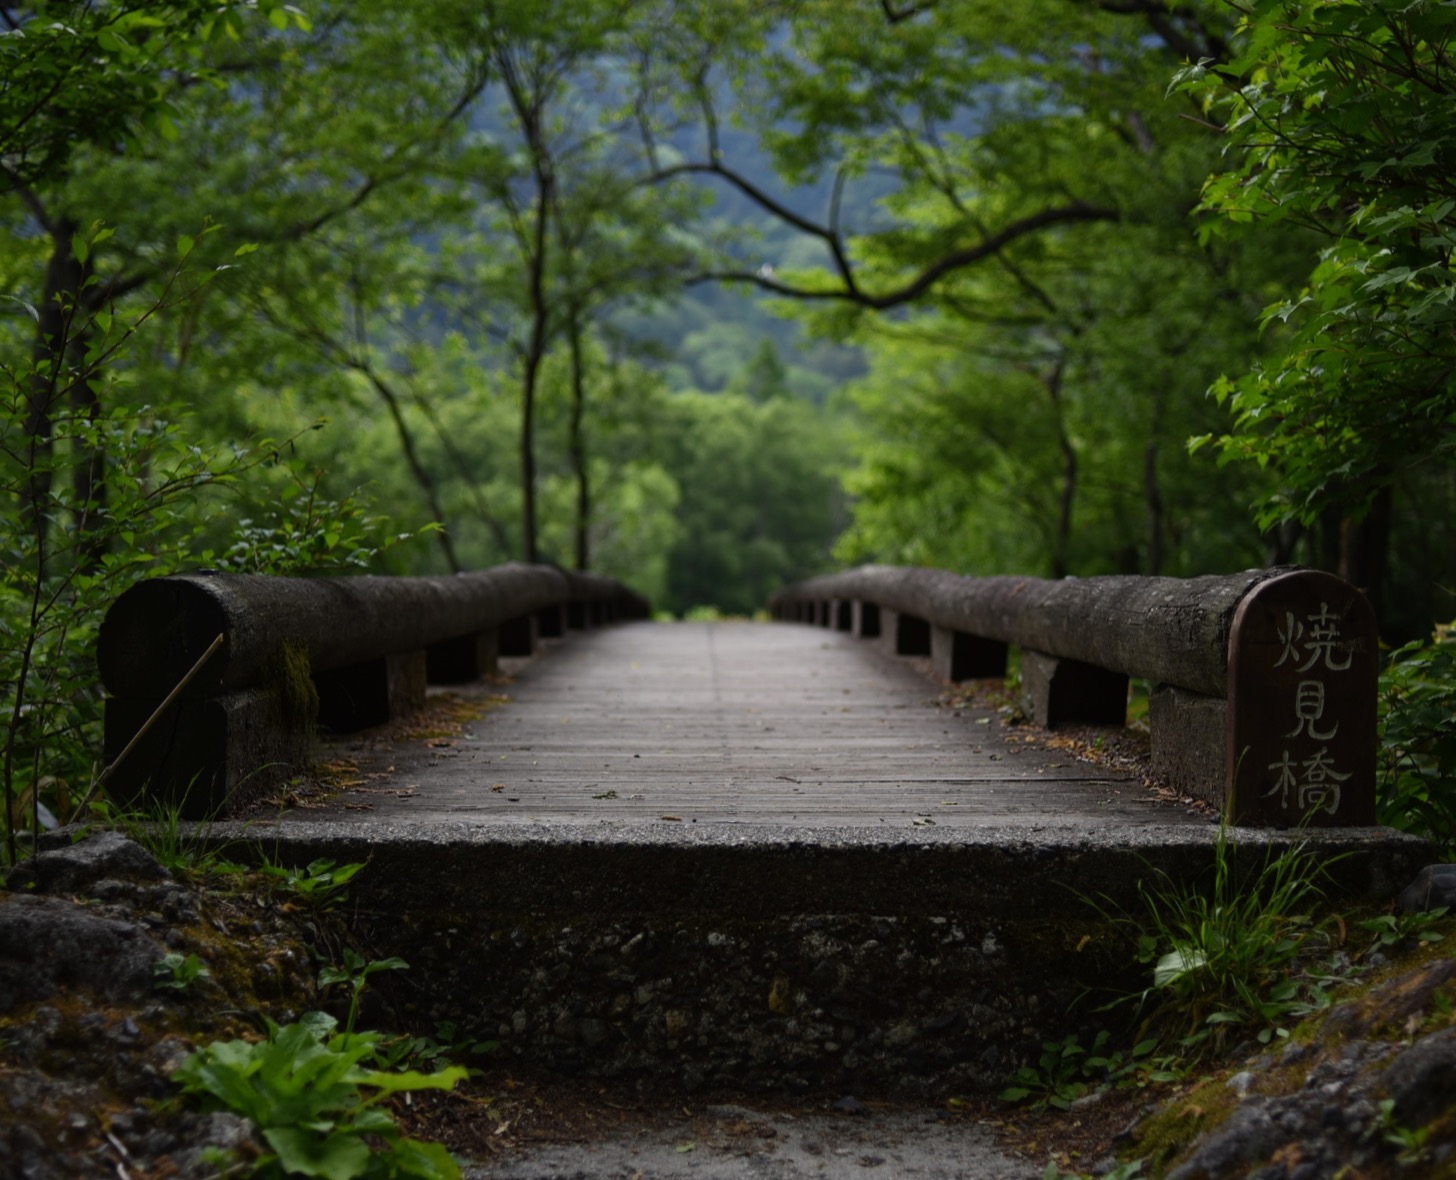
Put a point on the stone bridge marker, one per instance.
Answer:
(1303, 662)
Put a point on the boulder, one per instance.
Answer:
(48, 944)
(74, 868)
(1433, 888)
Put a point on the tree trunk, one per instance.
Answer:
(1282, 540)
(528, 107)
(54, 324)
(535, 353)
(578, 446)
(1365, 546)
(528, 445)
(1062, 544)
(1152, 490)
(1327, 539)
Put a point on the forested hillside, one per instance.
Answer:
(710, 296)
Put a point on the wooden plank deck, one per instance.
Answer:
(729, 723)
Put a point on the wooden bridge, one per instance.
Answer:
(729, 723)
(758, 854)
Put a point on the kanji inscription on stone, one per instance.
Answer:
(1303, 661)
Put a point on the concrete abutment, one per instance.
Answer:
(772, 961)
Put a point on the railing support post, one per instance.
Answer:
(371, 693)
(464, 660)
(518, 636)
(1188, 737)
(1069, 692)
(904, 635)
(956, 656)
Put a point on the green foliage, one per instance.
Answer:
(1127, 1170)
(1056, 1079)
(1052, 324)
(1417, 750)
(302, 531)
(99, 499)
(177, 972)
(448, 1045)
(356, 972)
(1231, 957)
(1394, 932)
(182, 848)
(758, 498)
(1066, 1070)
(322, 883)
(1409, 1141)
(1339, 122)
(316, 1102)
(77, 72)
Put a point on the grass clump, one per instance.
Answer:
(1235, 958)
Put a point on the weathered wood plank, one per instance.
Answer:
(734, 723)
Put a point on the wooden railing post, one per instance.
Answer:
(1069, 692)
(957, 656)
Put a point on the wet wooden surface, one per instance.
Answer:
(724, 723)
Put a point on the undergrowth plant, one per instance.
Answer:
(322, 883)
(355, 972)
(178, 972)
(449, 1044)
(1128, 1170)
(183, 848)
(1066, 1070)
(98, 489)
(1237, 957)
(317, 1103)
(315, 1093)
(1417, 749)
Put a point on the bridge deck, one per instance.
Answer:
(730, 723)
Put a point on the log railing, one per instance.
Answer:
(343, 653)
(1263, 682)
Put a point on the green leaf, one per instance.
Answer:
(304, 1153)
(1176, 964)
(423, 1161)
(392, 1083)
